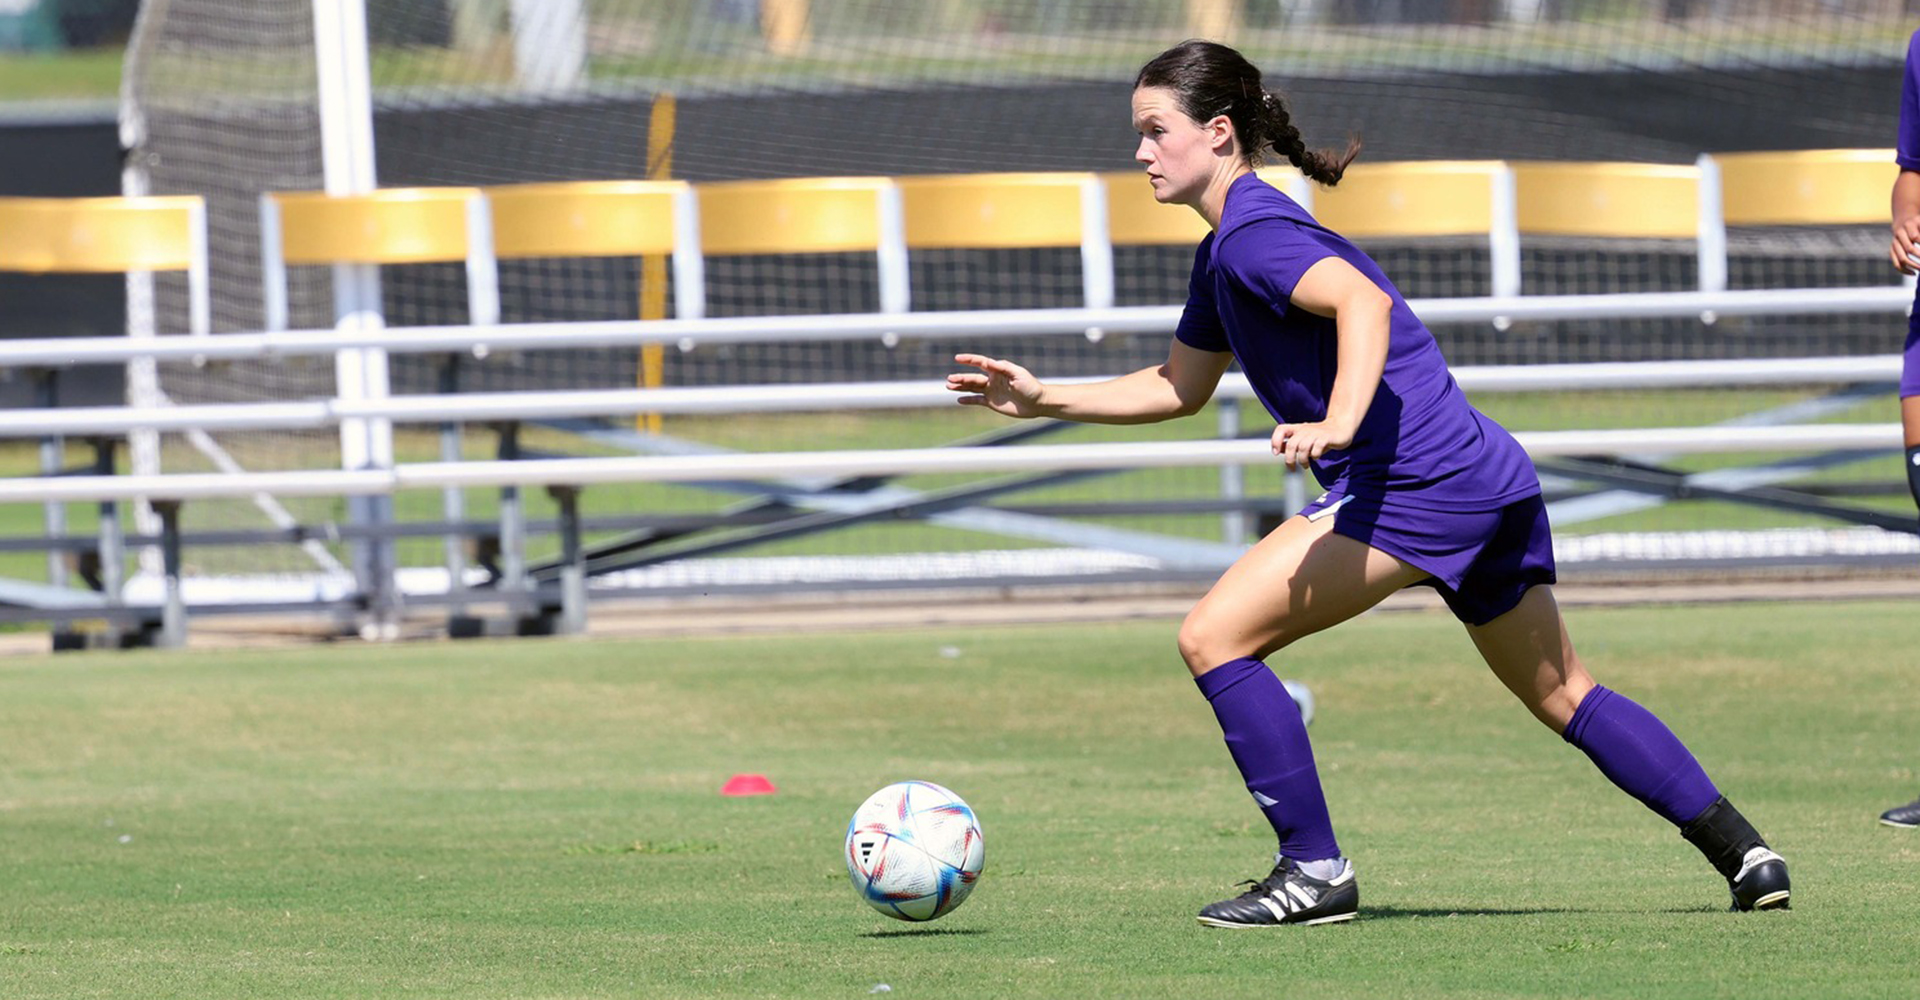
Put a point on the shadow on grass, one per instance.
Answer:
(926, 932)
(1398, 912)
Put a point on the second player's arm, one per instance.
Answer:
(1906, 222)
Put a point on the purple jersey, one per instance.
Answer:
(1420, 440)
(1907, 149)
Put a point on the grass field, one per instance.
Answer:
(541, 818)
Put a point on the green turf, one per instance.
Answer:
(541, 818)
(89, 74)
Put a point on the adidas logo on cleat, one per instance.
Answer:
(1289, 896)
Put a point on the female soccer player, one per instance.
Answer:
(1905, 252)
(1420, 488)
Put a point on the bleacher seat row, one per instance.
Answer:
(890, 218)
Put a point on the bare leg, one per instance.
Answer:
(1909, 814)
(1299, 579)
(1529, 650)
(1910, 426)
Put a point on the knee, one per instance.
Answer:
(1196, 649)
(1556, 705)
(1205, 643)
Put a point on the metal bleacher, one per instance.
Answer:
(1504, 204)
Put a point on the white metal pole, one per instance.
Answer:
(1522, 11)
(347, 158)
(1096, 251)
(896, 293)
(1233, 478)
(1711, 237)
(1892, 300)
(143, 377)
(549, 44)
(275, 314)
(143, 374)
(696, 468)
(1503, 241)
(689, 267)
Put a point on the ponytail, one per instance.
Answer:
(1275, 128)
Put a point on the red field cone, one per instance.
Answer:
(748, 784)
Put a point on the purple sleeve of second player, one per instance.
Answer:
(1907, 150)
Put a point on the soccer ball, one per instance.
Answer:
(914, 850)
(1303, 698)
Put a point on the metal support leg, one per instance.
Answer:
(53, 460)
(1233, 478)
(573, 570)
(113, 549)
(46, 395)
(513, 518)
(513, 544)
(384, 602)
(1295, 491)
(374, 568)
(173, 617)
(453, 505)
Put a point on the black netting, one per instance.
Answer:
(222, 97)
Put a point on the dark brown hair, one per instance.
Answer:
(1210, 79)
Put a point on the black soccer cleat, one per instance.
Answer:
(1288, 896)
(1903, 816)
(1756, 876)
(1761, 883)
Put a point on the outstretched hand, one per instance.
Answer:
(1000, 386)
(1296, 443)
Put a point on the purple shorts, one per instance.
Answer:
(1482, 561)
(1910, 367)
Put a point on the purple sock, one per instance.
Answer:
(1269, 743)
(1641, 755)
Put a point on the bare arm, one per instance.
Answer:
(1180, 386)
(1906, 222)
(1360, 313)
